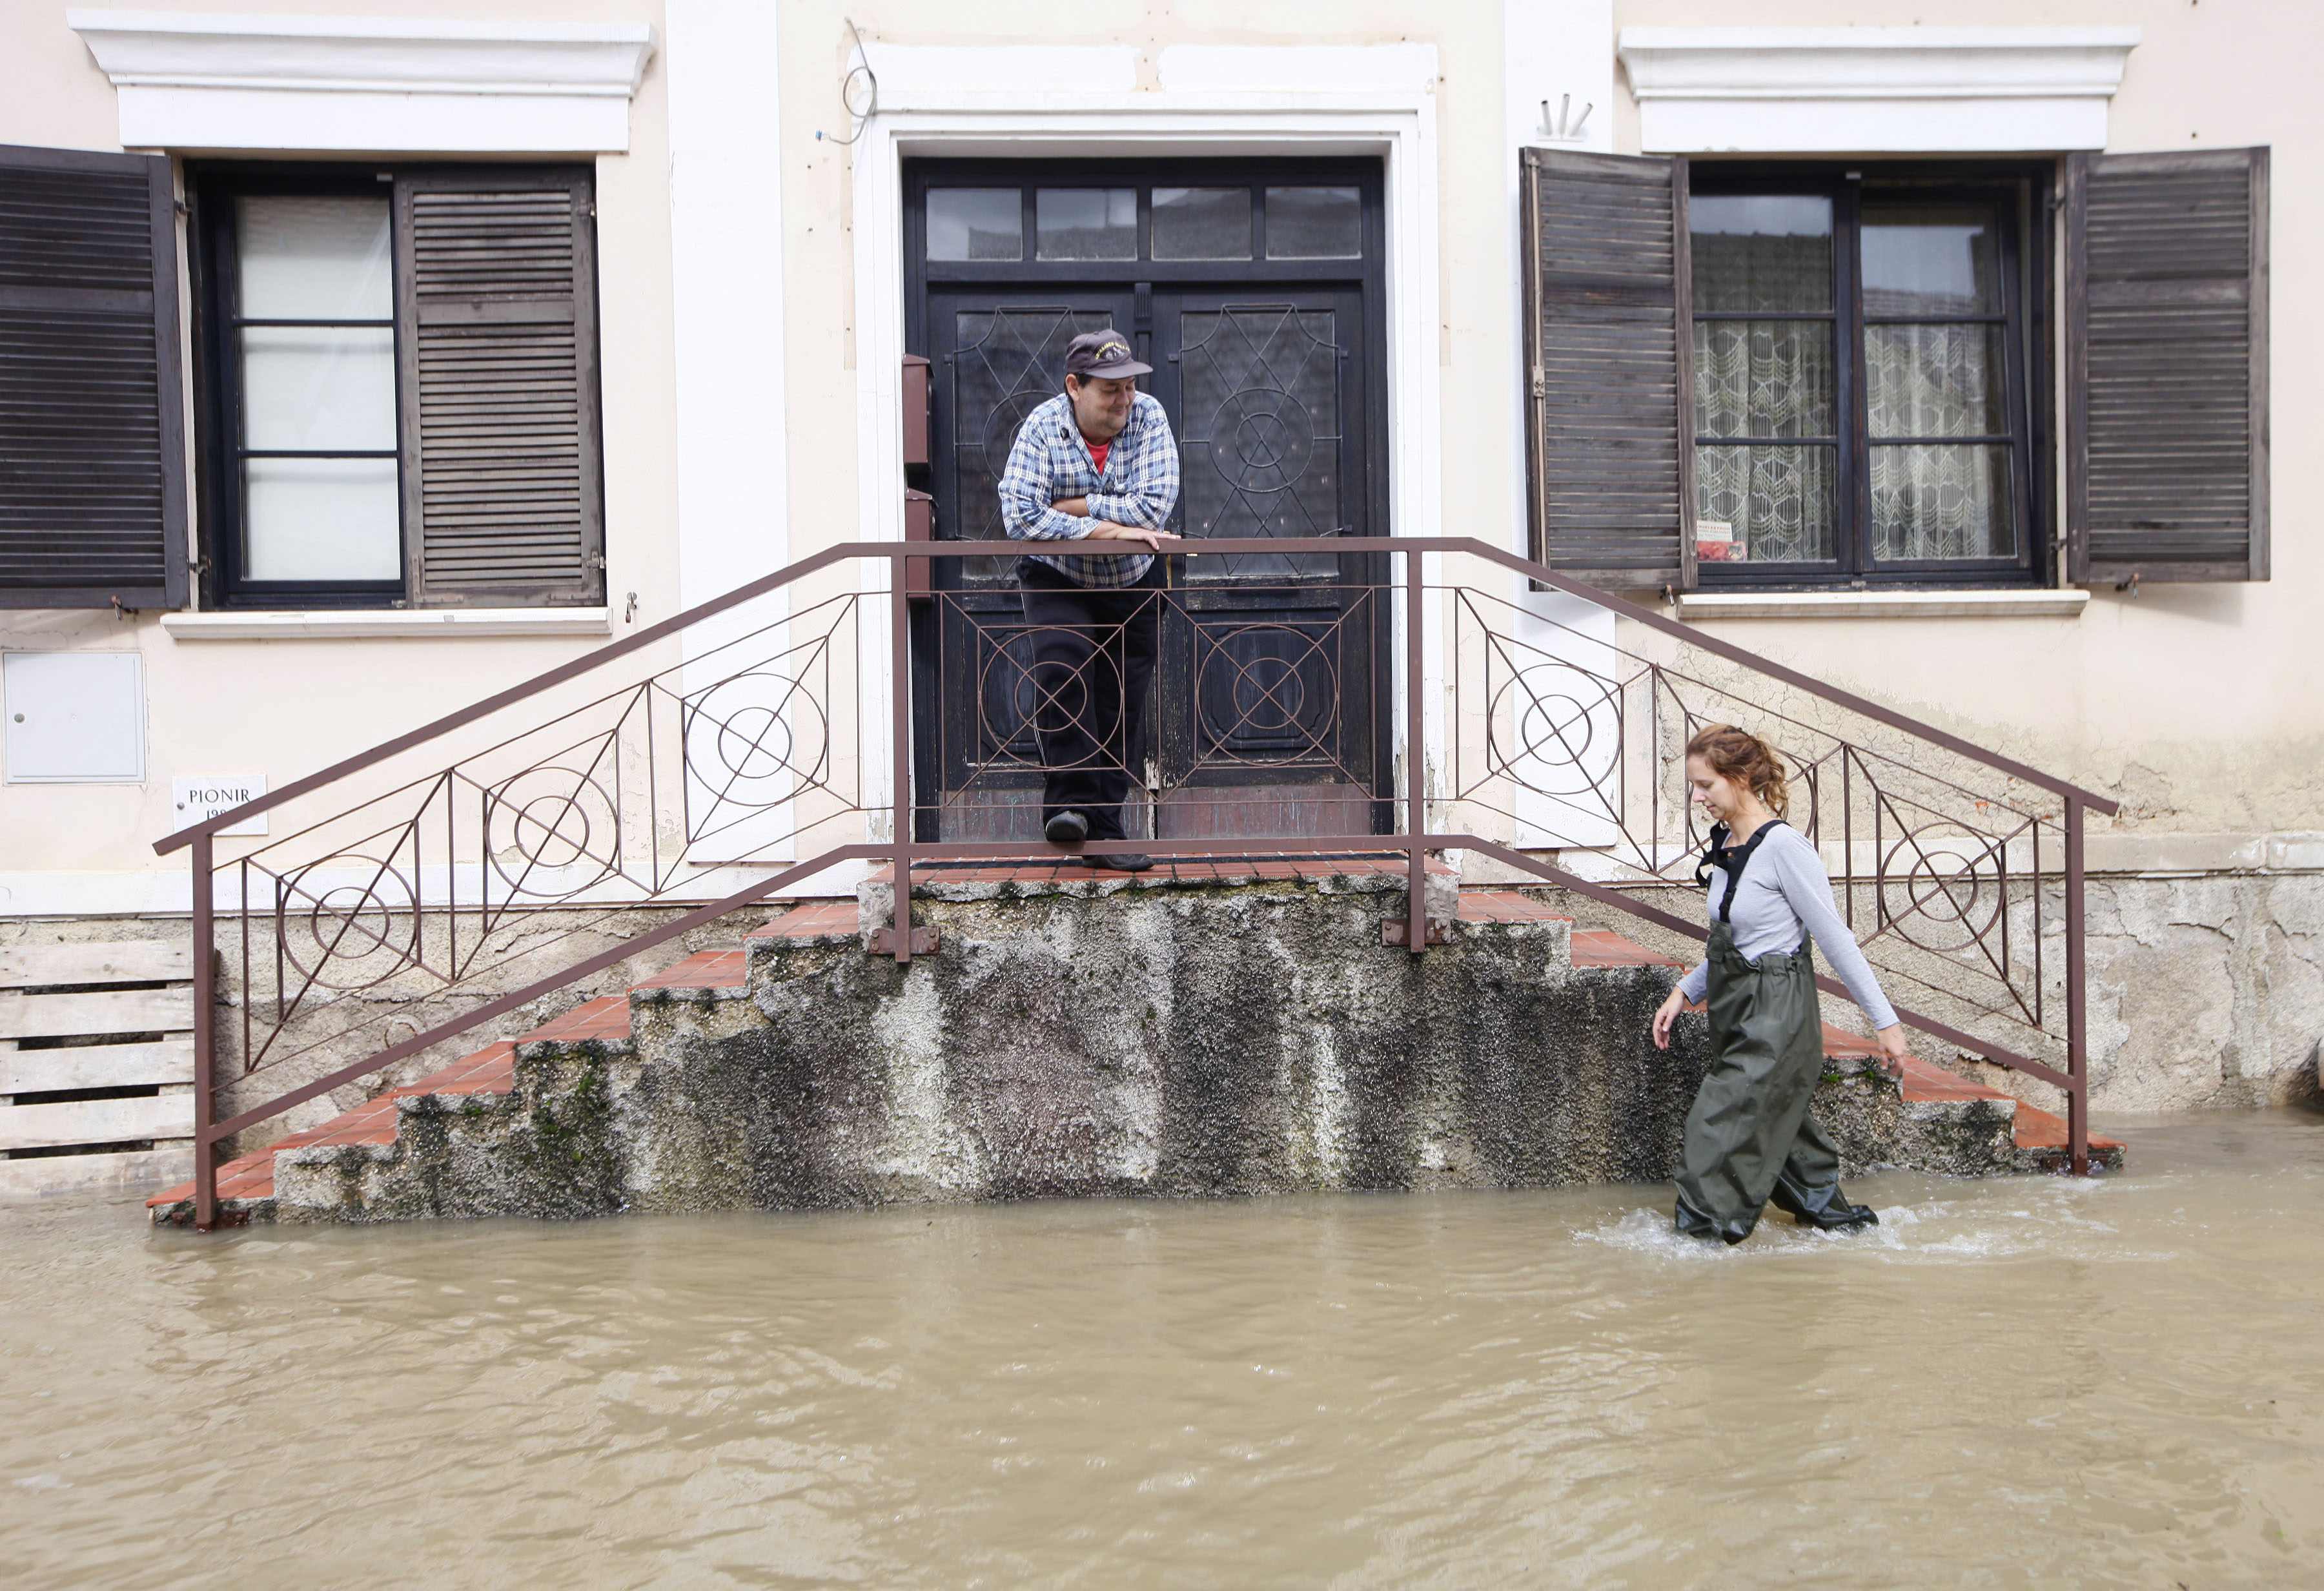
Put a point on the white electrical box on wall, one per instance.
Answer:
(73, 717)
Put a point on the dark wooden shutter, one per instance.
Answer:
(1610, 366)
(2166, 361)
(497, 300)
(92, 418)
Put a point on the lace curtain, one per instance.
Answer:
(1933, 500)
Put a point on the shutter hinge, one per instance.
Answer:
(1540, 381)
(595, 560)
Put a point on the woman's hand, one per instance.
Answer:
(1891, 1043)
(1673, 1004)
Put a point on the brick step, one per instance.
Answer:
(250, 1179)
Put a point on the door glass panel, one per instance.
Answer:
(1761, 253)
(1087, 223)
(1930, 259)
(1766, 503)
(1313, 223)
(305, 258)
(1202, 223)
(1764, 378)
(1945, 501)
(976, 224)
(1260, 434)
(1006, 363)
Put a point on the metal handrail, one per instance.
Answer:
(889, 552)
(1415, 840)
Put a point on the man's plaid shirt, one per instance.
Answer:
(1050, 461)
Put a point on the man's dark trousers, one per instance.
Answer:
(1093, 660)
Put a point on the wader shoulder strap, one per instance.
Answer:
(1730, 861)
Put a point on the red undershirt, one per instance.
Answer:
(1098, 451)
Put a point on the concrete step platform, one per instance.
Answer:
(489, 1077)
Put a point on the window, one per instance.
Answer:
(397, 403)
(1860, 354)
(1810, 375)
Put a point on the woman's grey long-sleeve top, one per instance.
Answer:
(1786, 894)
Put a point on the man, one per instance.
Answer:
(1096, 464)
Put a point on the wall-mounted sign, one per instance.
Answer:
(194, 800)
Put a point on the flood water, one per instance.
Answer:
(2029, 1381)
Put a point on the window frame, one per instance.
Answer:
(213, 190)
(2023, 194)
(1144, 174)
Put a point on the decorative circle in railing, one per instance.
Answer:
(1941, 887)
(552, 832)
(753, 739)
(1553, 727)
(336, 921)
(1021, 688)
(1269, 694)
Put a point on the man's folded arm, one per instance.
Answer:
(1025, 493)
(1153, 487)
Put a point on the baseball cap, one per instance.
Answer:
(1104, 355)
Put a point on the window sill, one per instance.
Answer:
(440, 624)
(1882, 604)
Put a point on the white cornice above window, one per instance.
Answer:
(1872, 90)
(380, 84)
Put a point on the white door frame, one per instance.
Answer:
(1214, 102)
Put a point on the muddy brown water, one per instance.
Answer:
(2031, 1381)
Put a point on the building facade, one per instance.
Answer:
(360, 369)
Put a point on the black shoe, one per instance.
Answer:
(1123, 862)
(1827, 1209)
(1066, 828)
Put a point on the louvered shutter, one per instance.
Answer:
(1611, 374)
(92, 420)
(496, 282)
(2166, 360)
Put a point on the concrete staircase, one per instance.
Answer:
(795, 1070)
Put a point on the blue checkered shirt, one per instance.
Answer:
(1050, 461)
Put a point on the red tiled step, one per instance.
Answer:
(1491, 905)
(1918, 1080)
(489, 1070)
(810, 920)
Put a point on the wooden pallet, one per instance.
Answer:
(97, 1066)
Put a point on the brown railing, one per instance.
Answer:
(749, 752)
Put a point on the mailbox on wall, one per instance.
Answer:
(915, 410)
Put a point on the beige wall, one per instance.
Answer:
(2198, 702)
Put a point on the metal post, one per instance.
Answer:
(899, 704)
(1416, 754)
(2078, 1098)
(204, 1043)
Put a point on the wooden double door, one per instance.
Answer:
(1266, 714)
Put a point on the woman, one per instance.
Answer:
(1749, 1137)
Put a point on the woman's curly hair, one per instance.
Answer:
(1750, 762)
